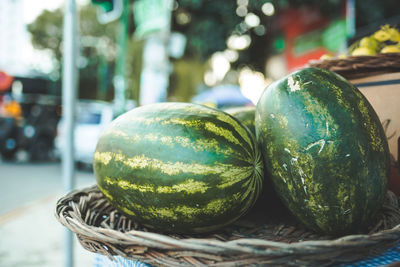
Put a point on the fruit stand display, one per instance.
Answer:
(182, 184)
(385, 40)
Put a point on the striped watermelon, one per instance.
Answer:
(268, 200)
(179, 167)
(245, 114)
(324, 149)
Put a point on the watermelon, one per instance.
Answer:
(324, 149)
(179, 167)
(245, 114)
(268, 199)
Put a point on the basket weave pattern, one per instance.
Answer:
(354, 67)
(253, 240)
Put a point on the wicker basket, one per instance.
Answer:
(354, 67)
(253, 240)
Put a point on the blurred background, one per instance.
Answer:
(135, 52)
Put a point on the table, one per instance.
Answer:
(391, 255)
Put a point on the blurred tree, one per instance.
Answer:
(368, 12)
(47, 32)
(186, 79)
(134, 66)
(372, 14)
(328, 7)
(97, 48)
(207, 24)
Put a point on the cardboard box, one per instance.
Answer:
(383, 92)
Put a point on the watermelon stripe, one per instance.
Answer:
(221, 132)
(124, 208)
(245, 115)
(236, 177)
(364, 111)
(243, 135)
(206, 144)
(189, 186)
(236, 125)
(196, 124)
(178, 212)
(316, 106)
(244, 199)
(250, 189)
(220, 116)
(372, 129)
(229, 173)
(212, 127)
(105, 192)
(182, 167)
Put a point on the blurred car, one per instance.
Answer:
(29, 136)
(92, 117)
(222, 96)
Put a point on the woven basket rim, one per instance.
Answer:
(353, 67)
(108, 241)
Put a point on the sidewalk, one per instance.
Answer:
(31, 236)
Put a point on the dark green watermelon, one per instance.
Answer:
(179, 167)
(324, 149)
(245, 114)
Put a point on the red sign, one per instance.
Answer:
(301, 26)
(5, 81)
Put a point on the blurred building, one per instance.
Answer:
(17, 55)
(13, 37)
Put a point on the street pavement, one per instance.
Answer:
(30, 234)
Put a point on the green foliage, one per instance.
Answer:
(97, 46)
(188, 74)
(206, 38)
(89, 25)
(327, 5)
(374, 12)
(134, 66)
(211, 24)
(47, 32)
(213, 21)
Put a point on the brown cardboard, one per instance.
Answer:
(383, 92)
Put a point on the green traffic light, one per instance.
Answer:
(106, 5)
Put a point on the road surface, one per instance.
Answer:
(22, 183)
(30, 234)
